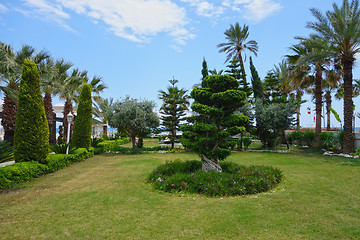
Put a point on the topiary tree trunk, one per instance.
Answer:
(31, 137)
(83, 122)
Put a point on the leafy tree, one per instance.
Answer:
(236, 37)
(272, 119)
(209, 132)
(31, 138)
(173, 109)
(137, 118)
(83, 121)
(341, 28)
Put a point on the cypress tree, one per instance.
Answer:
(256, 82)
(83, 122)
(31, 137)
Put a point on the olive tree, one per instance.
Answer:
(137, 118)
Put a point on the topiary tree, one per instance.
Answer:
(209, 132)
(31, 137)
(83, 121)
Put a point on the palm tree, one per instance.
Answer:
(53, 71)
(316, 53)
(236, 37)
(101, 109)
(341, 27)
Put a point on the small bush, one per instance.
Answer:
(188, 177)
(96, 141)
(125, 150)
(61, 148)
(307, 137)
(327, 140)
(6, 152)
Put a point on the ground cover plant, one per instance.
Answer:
(107, 197)
(188, 177)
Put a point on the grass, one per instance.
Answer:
(107, 197)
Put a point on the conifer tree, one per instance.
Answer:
(31, 137)
(257, 86)
(173, 109)
(83, 121)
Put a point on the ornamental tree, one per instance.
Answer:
(137, 118)
(83, 121)
(173, 109)
(210, 130)
(31, 138)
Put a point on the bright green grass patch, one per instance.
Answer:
(107, 197)
(235, 180)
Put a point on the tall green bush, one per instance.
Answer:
(83, 122)
(31, 139)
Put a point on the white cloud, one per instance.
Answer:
(134, 20)
(50, 11)
(3, 8)
(205, 8)
(255, 10)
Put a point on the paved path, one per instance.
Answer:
(6, 163)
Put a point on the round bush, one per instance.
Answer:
(188, 177)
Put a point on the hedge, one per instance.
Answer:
(24, 171)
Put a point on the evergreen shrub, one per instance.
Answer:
(31, 139)
(83, 121)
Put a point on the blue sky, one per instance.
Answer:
(136, 46)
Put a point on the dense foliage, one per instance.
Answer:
(209, 132)
(83, 121)
(136, 118)
(31, 137)
(187, 177)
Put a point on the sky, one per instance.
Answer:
(137, 46)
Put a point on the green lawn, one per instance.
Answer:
(107, 197)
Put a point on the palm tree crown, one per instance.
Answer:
(236, 37)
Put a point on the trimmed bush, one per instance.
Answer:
(31, 139)
(187, 177)
(24, 171)
(83, 121)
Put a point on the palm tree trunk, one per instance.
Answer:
(9, 117)
(242, 70)
(318, 106)
(298, 97)
(348, 107)
(328, 112)
(49, 116)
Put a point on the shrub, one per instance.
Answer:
(31, 139)
(187, 177)
(83, 121)
(327, 140)
(308, 137)
(96, 141)
(61, 148)
(6, 152)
